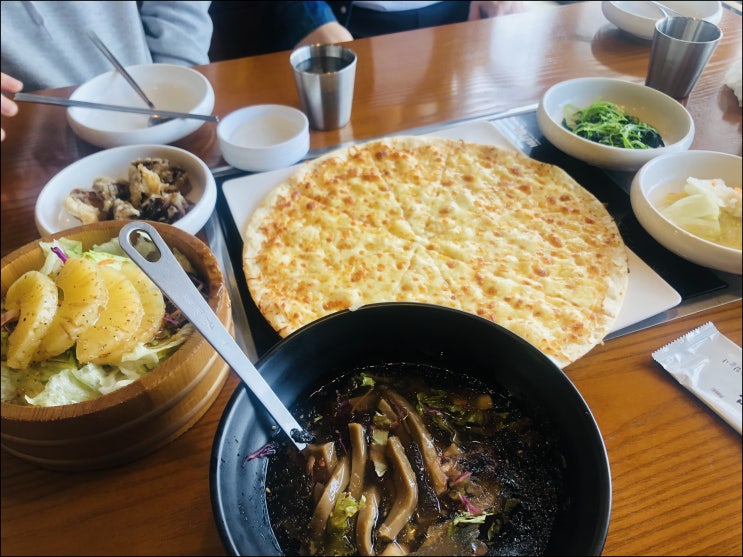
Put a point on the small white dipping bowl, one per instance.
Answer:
(667, 174)
(52, 217)
(669, 117)
(168, 86)
(264, 137)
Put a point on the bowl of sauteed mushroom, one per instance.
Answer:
(147, 182)
(98, 367)
(434, 432)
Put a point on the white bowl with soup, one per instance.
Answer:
(699, 221)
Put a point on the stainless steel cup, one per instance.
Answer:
(680, 50)
(325, 74)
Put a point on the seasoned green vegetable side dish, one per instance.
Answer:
(608, 124)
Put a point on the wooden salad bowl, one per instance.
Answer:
(140, 417)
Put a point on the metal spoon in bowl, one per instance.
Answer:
(667, 12)
(170, 277)
(155, 119)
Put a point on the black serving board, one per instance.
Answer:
(687, 278)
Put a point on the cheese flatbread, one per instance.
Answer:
(469, 226)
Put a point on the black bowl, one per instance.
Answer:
(418, 334)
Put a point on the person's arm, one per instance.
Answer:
(178, 32)
(296, 23)
(484, 10)
(8, 84)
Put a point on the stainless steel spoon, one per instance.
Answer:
(170, 277)
(154, 119)
(667, 12)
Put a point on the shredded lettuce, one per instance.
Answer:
(469, 518)
(339, 528)
(52, 262)
(345, 507)
(112, 247)
(105, 258)
(62, 388)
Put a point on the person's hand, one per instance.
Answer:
(484, 10)
(329, 33)
(7, 107)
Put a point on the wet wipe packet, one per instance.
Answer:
(708, 364)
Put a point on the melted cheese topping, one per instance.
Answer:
(467, 226)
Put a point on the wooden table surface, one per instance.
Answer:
(676, 466)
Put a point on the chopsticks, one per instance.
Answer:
(44, 99)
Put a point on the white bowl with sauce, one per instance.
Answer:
(669, 117)
(168, 86)
(666, 175)
(264, 137)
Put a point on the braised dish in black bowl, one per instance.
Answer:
(437, 432)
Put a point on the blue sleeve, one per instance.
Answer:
(295, 20)
(178, 32)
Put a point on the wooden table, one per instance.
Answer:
(676, 466)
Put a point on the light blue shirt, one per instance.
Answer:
(45, 44)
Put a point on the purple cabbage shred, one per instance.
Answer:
(472, 509)
(266, 450)
(60, 254)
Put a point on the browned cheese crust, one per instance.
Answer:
(469, 226)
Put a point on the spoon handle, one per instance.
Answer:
(170, 277)
(667, 12)
(45, 99)
(111, 58)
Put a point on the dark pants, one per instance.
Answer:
(368, 23)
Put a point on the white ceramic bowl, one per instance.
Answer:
(168, 86)
(667, 174)
(264, 137)
(638, 18)
(52, 217)
(669, 117)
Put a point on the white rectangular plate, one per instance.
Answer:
(647, 293)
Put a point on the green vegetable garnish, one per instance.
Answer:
(338, 533)
(608, 124)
